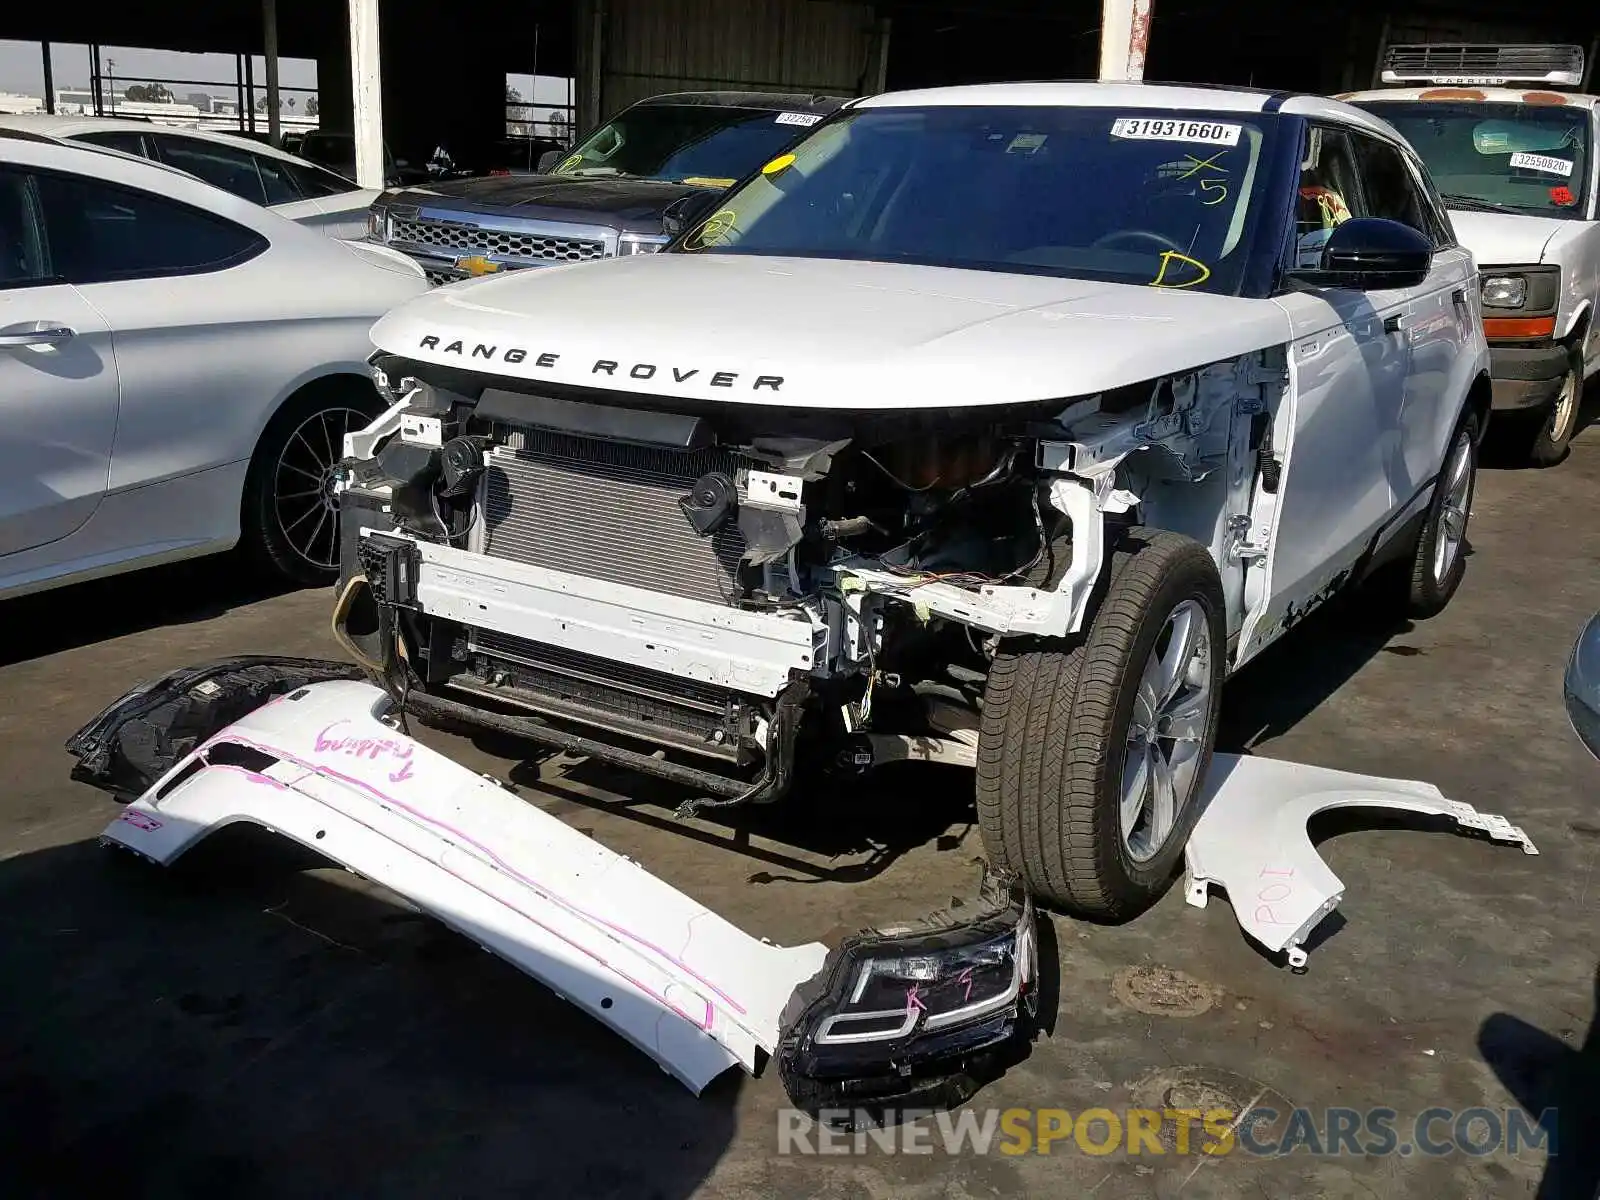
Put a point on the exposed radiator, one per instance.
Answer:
(607, 510)
(626, 699)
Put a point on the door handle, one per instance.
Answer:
(41, 335)
(1394, 323)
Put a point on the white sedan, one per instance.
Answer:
(177, 368)
(290, 186)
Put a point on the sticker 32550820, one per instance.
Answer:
(1543, 162)
(1166, 129)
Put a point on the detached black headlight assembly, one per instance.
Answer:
(915, 1011)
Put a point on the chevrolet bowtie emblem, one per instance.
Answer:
(477, 264)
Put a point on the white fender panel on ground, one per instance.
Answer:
(1251, 840)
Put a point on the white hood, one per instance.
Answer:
(1504, 239)
(820, 333)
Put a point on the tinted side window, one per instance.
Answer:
(275, 182)
(128, 143)
(1329, 192)
(222, 166)
(22, 256)
(96, 232)
(314, 181)
(1391, 190)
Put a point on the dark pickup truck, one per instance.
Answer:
(608, 197)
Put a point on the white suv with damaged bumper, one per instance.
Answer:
(994, 426)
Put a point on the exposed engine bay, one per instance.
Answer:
(713, 593)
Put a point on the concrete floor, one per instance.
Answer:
(254, 1024)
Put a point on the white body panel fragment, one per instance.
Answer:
(689, 989)
(1251, 840)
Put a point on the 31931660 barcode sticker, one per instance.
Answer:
(1166, 129)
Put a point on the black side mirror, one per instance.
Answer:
(548, 160)
(687, 211)
(1372, 254)
(1581, 687)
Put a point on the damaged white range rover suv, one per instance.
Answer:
(994, 426)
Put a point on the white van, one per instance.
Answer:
(1511, 145)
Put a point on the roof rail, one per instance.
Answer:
(1484, 65)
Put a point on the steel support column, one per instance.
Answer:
(366, 77)
(1124, 34)
(269, 46)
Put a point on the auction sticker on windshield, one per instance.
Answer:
(794, 118)
(1163, 129)
(1543, 162)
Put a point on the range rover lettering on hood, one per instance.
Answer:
(601, 366)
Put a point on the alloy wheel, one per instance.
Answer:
(302, 484)
(1166, 738)
(1457, 506)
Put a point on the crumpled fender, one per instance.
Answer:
(1251, 840)
(319, 766)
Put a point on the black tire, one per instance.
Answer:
(1427, 592)
(1543, 438)
(272, 525)
(1055, 732)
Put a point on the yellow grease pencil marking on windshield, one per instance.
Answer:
(715, 228)
(782, 163)
(1200, 164)
(1166, 260)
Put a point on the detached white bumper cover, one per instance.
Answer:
(309, 754)
(317, 766)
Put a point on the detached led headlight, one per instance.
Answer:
(640, 243)
(908, 1012)
(1505, 291)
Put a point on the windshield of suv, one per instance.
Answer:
(1129, 196)
(1523, 158)
(712, 145)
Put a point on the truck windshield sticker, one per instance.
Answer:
(1161, 129)
(1026, 143)
(803, 119)
(1543, 162)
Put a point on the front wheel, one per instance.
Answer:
(1440, 560)
(1543, 438)
(1092, 756)
(290, 526)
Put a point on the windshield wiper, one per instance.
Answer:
(1473, 204)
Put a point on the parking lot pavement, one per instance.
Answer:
(256, 1024)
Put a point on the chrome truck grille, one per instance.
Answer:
(449, 238)
(609, 511)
